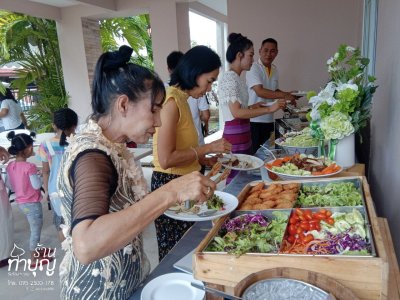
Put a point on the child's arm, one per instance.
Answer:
(36, 181)
(45, 174)
(8, 183)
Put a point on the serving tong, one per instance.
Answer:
(214, 171)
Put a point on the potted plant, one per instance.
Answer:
(343, 107)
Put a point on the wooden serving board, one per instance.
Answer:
(366, 277)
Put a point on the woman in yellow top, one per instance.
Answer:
(175, 145)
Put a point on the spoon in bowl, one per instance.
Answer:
(269, 151)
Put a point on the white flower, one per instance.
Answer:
(336, 56)
(344, 86)
(350, 49)
(332, 69)
(316, 100)
(330, 61)
(95, 272)
(315, 115)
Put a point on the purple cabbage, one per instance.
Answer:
(343, 242)
(241, 222)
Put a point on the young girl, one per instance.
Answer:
(51, 151)
(23, 179)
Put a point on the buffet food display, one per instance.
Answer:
(300, 166)
(327, 226)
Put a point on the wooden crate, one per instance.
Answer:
(367, 277)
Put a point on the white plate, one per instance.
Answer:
(298, 177)
(172, 286)
(230, 203)
(299, 93)
(269, 103)
(255, 162)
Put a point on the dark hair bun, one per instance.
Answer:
(19, 142)
(116, 59)
(12, 150)
(235, 37)
(10, 135)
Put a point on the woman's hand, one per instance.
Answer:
(279, 104)
(219, 146)
(193, 186)
(209, 161)
(4, 155)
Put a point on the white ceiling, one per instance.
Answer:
(219, 5)
(57, 3)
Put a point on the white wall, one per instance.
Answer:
(385, 136)
(308, 33)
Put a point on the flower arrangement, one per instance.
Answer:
(343, 107)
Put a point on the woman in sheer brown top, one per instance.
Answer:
(103, 191)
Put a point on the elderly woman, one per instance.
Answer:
(175, 147)
(103, 191)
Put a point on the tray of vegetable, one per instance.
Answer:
(298, 142)
(347, 243)
(302, 166)
(331, 193)
(246, 233)
(333, 231)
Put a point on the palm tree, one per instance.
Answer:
(136, 31)
(33, 43)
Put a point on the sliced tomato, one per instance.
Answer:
(330, 221)
(305, 225)
(292, 229)
(291, 239)
(308, 238)
(298, 212)
(319, 216)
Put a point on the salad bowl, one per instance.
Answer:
(290, 150)
(294, 167)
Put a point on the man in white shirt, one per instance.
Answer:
(263, 83)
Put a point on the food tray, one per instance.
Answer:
(357, 181)
(367, 277)
(344, 209)
(269, 214)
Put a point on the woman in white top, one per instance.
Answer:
(233, 96)
(11, 112)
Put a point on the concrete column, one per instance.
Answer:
(92, 43)
(164, 34)
(74, 63)
(182, 17)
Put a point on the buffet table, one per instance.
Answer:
(197, 233)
